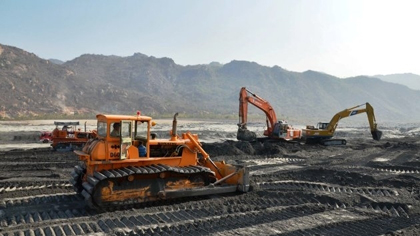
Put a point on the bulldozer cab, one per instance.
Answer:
(124, 136)
(121, 130)
(64, 129)
(116, 132)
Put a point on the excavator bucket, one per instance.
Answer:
(376, 135)
(246, 135)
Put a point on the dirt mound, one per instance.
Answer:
(236, 148)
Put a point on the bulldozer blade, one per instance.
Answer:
(246, 135)
(197, 192)
(376, 135)
(214, 188)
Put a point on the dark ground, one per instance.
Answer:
(364, 188)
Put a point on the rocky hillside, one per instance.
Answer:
(157, 86)
(31, 85)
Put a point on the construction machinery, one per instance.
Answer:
(275, 129)
(69, 137)
(322, 133)
(135, 166)
(45, 137)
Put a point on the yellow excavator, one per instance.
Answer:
(322, 133)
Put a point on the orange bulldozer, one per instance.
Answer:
(127, 164)
(69, 137)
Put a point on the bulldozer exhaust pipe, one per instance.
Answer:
(174, 123)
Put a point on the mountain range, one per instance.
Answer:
(408, 79)
(31, 86)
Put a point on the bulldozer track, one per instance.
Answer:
(106, 175)
(304, 185)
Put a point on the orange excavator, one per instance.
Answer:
(275, 129)
(130, 165)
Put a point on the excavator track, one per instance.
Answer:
(333, 142)
(134, 185)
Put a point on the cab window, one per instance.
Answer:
(141, 130)
(126, 129)
(115, 129)
(101, 129)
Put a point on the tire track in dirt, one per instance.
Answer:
(21, 189)
(231, 207)
(300, 190)
(315, 186)
(244, 209)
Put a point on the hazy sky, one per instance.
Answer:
(339, 37)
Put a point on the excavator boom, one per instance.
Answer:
(258, 102)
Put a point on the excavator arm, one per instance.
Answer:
(376, 134)
(245, 97)
(368, 109)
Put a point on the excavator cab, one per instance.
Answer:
(322, 125)
(319, 126)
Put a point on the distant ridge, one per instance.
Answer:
(91, 84)
(408, 79)
(56, 61)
